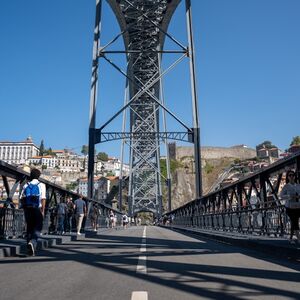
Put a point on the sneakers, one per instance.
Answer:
(30, 249)
(95, 230)
(78, 233)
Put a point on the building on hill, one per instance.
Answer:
(267, 150)
(102, 187)
(111, 166)
(294, 148)
(61, 159)
(18, 152)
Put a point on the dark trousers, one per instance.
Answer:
(294, 215)
(34, 222)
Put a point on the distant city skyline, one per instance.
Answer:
(247, 63)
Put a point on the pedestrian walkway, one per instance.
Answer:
(18, 247)
(148, 261)
(274, 246)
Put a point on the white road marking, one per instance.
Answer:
(144, 232)
(139, 296)
(141, 266)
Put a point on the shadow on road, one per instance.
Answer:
(115, 251)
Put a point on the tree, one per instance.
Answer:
(85, 149)
(266, 144)
(49, 152)
(42, 148)
(295, 141)
(72, 186)
(102, 156)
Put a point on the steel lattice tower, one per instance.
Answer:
(143, 25)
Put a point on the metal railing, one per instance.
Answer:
(12, 221)
(270, 221)
(252, 205)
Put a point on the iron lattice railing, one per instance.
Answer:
(12, 222)
(251, 205)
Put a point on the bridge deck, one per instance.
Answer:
(161, 263)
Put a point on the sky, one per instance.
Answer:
(247, 71)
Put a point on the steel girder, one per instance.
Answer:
(144, 24)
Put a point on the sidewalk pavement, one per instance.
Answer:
(18, 247)
(279, 247)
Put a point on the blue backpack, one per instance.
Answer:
(32, 195)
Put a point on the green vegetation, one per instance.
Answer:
(237, 161)
(295, 141)
(71, 186)
(85, 149)
(174, 165)
(49, 152)
(42, 148)
(208, 168)
(266, 144)
(102, 156)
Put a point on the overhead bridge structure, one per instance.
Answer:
(143, 26)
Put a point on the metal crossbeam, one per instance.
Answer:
(111, 136)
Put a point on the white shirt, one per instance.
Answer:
(287, 193)
(42, 188)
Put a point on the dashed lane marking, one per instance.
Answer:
(142, 262)
(139, 296)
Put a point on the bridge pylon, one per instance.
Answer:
(143, 26)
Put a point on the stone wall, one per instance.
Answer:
(239, 152)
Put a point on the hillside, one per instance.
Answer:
(216, 162)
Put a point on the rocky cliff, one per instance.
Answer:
(214, 161)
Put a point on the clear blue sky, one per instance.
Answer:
(248, 72)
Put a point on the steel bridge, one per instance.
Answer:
(143, 26)
(233, 247)
(158, 261)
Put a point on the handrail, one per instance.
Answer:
(12, 219)
(237, 199)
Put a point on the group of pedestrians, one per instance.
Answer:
(33, 202)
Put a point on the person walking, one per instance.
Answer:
(70, 214)
(111, 219)
(33, 201)
(291, 194)
(125, 221)
(80, 212)
(93, 214)
(61, 215)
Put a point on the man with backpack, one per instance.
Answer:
(33, 199)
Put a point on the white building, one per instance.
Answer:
(102, 186)
(83, 185)
(47, 160)
(18, 152)
(113, 165)
(62, 160)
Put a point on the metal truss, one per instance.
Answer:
(162, 136)
(143, 26)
